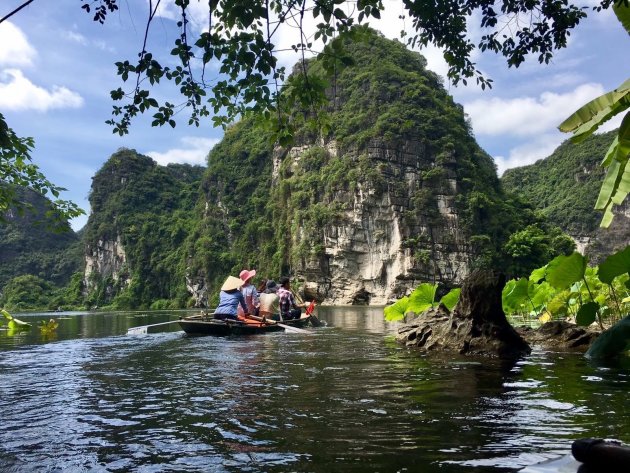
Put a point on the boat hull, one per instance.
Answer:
(224, 328)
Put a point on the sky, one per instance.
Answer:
(57, 69)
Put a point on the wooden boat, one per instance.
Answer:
(206, 325)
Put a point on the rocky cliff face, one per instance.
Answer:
(105, 259)
(602, 242)
(376, 249)
(393, 193)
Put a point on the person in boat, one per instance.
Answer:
(289, 309)
(252, 299)
(269, 300)
(230, 299)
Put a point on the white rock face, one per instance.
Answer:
(106, 259)
(374, 254)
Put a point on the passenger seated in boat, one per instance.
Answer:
(289, 309)
(230, 298)
(252, 299)
(269, 301)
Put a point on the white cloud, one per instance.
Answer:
(528, 116)
(537, 148)
(194, 151)
(15, 49)
(19, 93)
(75, 37)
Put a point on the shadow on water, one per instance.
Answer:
(345, 398)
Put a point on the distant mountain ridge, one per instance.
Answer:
(565, 186)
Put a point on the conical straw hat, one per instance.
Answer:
(231, 283)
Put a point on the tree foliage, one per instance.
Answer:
(242, 41)
(17, 170)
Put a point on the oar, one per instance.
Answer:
(142, 329)
(287, 328)
(315, 322)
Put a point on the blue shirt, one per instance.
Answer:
(229, 301)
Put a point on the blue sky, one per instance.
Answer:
(57, 68)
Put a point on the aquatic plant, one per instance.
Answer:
(13, 323)
(48, 328)
(421, 299)
(568, 287)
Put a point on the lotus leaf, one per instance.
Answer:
(587, 314)
(563, 271)
(615, 265)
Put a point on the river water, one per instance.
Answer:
(344, 398)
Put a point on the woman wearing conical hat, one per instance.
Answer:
(229, 299)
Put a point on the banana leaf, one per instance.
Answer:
(588, 118)
(622, 10)
(616, 184)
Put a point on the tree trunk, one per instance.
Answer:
(477, 325)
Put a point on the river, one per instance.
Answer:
(343, 398)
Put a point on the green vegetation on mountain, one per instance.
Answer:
(388, 99)
(32, 244)
(150, 209)
(565, 185)
(152, 228)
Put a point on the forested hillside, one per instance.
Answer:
(36, 250)
(565, 186)
(141, 215)
(383, 188)
(31, 242)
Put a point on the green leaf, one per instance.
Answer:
(422, 298)
(587, 314)
(622, 10)
(517, 295)
(540, 293)
(451, 298)
(538, 274)
(589, 117)
(397, 310)
(563, 271)
(612, 342)
(615, 265)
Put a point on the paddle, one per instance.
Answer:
(287, 328)
(315, 322)
(142, 329)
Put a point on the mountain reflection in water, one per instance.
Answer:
(345, 398)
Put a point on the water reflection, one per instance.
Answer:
(346, 397)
